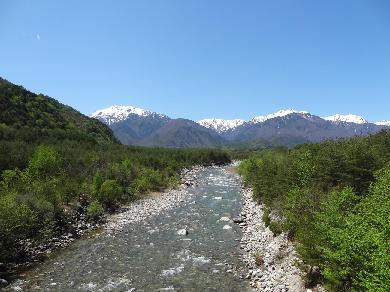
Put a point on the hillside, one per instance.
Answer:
(30, 117)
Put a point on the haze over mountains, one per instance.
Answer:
(135, 126)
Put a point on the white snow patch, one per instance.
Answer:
(117, 113)
(383, 123)
(350, 118)
(221, 125)
(281, 113)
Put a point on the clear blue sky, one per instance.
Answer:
(198, 59)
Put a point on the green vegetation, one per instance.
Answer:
(38, 201)
(30, 117)
(334, 198)
(56, 164)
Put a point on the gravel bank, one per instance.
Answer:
(276, 269)
(152, 206)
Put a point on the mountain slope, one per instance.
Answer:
(181, 133)
(29, 116)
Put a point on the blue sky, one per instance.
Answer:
(203, 58)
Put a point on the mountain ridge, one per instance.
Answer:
(290, 127)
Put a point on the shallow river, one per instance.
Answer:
(151, 256)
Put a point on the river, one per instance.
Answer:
(150, 255)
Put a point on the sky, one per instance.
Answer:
(204, 58)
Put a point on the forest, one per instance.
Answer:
(332, 199)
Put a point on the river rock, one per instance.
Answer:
(182, 232)
(238, 220)
(224, 219)
(3, 283)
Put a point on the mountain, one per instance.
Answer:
(383, 123)
(288, 127)
(279, 114)
(130, 124)
(136, 126)
(117, 113)
(181, 133)
(299, 127)
(346, 119)
(221, 125)
(34, 117)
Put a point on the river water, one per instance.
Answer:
(151, 255)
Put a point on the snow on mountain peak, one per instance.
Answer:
(221, 125)
(383, 123)
(346, 119)
(117, 113)
(281, 113)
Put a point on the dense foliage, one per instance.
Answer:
(30, 117)
(334, 198)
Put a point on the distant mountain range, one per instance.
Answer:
(136, 126)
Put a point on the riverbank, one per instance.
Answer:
(154, 203)
(271, 260)
(36, 252)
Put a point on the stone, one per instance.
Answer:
(182, 232)
(3, 282)
(238, 220)
(226, 227)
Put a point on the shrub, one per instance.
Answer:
(17, 221)
(45, 162)
(266, 219)
(276, 228)
(110, 193)
(95, 211)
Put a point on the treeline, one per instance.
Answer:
(43, 185)
(333, 199)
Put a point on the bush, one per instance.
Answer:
(45, 162)
(110, 193)
(17, 221)
(276, 228)
(95, 211)
(266, 219)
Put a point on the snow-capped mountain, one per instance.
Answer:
(136, 126)
(221, 125)
(118, 113)
(281, 113)
(289, 127)
(383, 123)
(346, 119)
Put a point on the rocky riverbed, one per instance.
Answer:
(271, 260)
(155, 203)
